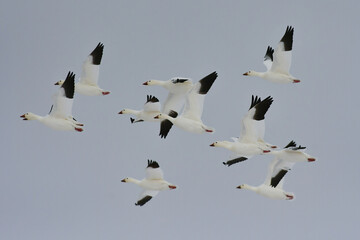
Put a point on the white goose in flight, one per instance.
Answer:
(150, 110)
(273, 184)
(278, 62)
(178, 87)
(88, 83)
(151, 184)
(292, 153)
(190, 119)
(251, 141)
(60, 117)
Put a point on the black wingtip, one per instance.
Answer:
(276, 179)
(166, 125)
(292, 143)
(262, 107)
(207, 82)
(287, 39)
(144, 200)
(152, 164)
(132, 120)
(233, 161)
(269, 54)
(69, 85)
(97, 54)
(150, 98)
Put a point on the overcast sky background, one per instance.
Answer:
(67, 185)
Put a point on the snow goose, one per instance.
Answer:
(251, 141)
(273, 184)
(178, 87)
(151, 109)
(278, 62)
(60, 117)
(88, 83)
(190, 119)
(293, 153)
(151, 184)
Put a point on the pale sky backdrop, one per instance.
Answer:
(67, 185)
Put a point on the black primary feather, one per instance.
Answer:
(207, 82)
(179, 80)
(261, 108)
(69, 85)
(144, 200)
(269, 54)
(97, 54)
(292, 143)
(233, 161)
(276, 179)
(150, 98)
(166, 125)
(132, 120)
(287, 39)
(254, 100)
(152, 164)
(51, 108)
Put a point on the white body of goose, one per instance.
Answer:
(151, 184)
(60, 117)
(190, 119)
(148, 113)
(273, 184)
(251, 141)
(278, 62)
(178, 87)
(292, 153)
(88, 83)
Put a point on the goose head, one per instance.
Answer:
(59, 82)
(152, 82)
(249, 73)
(125, 180)
(242, 186)
(214, 144)
(124, 111)
(29, 116)
(159, 116)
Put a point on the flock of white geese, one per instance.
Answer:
(188, 97)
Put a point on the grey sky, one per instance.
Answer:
(66, 185)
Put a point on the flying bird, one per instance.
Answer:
(88, 83)
(292, 153)
(178, 88)
(278, 62)
(251, 141)
(152, 184)
(273, 184)
(190, 119)
(60, 117)
(150, 110)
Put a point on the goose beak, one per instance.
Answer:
(23, 117)
(145, 83)
(121, 112)
(245, 74)
(156, 117)
(57, 83)
(239, 187)
(123, 180)
(212, 145)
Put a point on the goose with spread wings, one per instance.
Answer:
(190, 119)
(152, 184)
(150, 110)
(88, 83)
(278, 61)
(251, 141)
(60, 116)
(273, 184)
